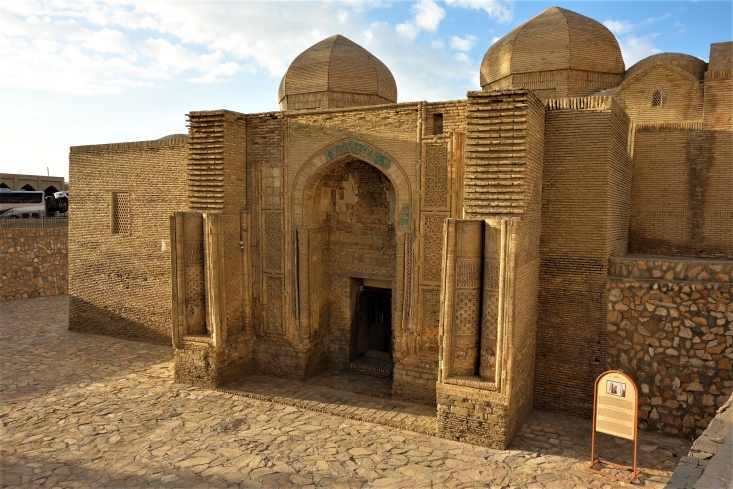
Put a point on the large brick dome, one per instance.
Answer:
(556, 51)
(336, 72)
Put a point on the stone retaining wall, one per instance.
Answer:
(670, 326)
(33, 263)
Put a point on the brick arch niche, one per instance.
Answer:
(359, 150)
(351, 212)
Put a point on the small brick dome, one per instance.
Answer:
(695, 66)
(336, 72)
(553, 41)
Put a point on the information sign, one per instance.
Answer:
(615, 412)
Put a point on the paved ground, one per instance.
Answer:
(91, 411)
(709, 465)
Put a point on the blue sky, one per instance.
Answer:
(88, 72)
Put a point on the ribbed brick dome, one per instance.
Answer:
(555, 40)
(336, 72)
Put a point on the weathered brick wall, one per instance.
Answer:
(670, 326)
(681, 202)
(719, 88)
(216, 167)
(454, 116)
(585, 187)
(718, 100)
(682, 95)
(33, 262)
(120, 284)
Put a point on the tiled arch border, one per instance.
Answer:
(354, 148)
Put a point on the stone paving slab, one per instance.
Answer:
(709, 464)
(345, 404)
(356, 382)
(90, 411)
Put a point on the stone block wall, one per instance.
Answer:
(585, 195)
(415, 383)
(473, 416)
(670, 326)
(681, 203)
(120, 283)
(197, 363)
(33, 262)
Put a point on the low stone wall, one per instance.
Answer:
(33, 262)
(670, 326)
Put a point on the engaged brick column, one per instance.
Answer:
(485, 394)
(585, 220)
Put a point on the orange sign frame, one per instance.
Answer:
(615, 418)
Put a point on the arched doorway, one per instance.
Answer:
(28, 187)
(3, 185)
(349, 213)
(50, 190)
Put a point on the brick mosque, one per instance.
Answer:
(492, 255)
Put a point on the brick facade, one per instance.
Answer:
(119, 284)
(679, 201)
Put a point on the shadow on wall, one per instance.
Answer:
(85, 317)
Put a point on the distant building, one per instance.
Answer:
(491, 254)
(17, 181)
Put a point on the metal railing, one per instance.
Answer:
(34, 223)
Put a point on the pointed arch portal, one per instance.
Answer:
(351, 213)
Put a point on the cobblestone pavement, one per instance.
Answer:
(314, 396)
(92, 411)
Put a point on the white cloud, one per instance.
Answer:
(408, 29)
(423, 71)
(635, 48)
(463, 44)
(428, 15)
(220, 73)
(91, 46)
(619, 27)
(497, 10)
(634, 45)
(107, 41)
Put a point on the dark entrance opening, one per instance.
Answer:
(372, 343)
